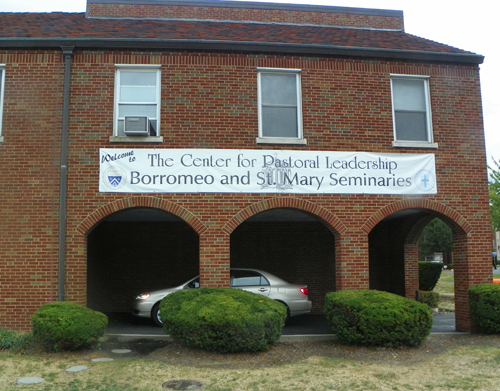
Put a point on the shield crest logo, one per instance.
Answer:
(114, 178)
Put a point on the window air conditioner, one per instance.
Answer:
(136, 126)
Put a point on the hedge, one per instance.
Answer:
(370, 317)
(222, 319)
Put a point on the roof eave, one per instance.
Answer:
(236, 46)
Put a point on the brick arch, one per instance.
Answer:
(146, 202)
(452, 217)
(325, 216)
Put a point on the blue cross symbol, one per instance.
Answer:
(425, 180)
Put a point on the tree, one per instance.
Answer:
(494, 190)
(436, 238)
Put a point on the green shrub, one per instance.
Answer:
(484, 304)
(370, 317)
(428, 275)
(15, 341)
(67, 326)
(430, 298)
(222, 319)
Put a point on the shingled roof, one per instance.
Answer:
(51, 30)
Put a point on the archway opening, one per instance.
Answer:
(395, 250)
(135, 250)
(291, 244)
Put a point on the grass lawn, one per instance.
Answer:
(472, 367)
(446, 289)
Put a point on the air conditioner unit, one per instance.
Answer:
(136, 125)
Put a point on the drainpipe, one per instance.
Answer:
(68, 53)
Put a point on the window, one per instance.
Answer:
(193, 284)
(411, 111)
(280, 109)
(137, 103)
(2, 83)
(241, 278)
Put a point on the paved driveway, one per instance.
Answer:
(125, 324)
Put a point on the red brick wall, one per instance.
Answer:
(28, 183)
(210, 101)
(338, 18)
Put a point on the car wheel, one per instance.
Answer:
(155, 315)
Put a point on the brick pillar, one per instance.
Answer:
(352, 261)
(214, 258)
(472, 266)
(411, 270)
(76, 269)
(461, 270)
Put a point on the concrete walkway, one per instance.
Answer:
(312, 326)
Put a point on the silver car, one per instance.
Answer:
(294, 297)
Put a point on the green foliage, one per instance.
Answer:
(494, 192)
(428, 275)
(430, 298)
(67, 326)
(374, 318)
(14, 341)
(436, 238)
(222, 319)
(484, 304)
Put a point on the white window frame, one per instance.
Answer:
(262, 139)
(429, 143)
(2, 89)
(136, 68)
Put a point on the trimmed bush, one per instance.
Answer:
(430, 298)
(374, 318)
(484, 304)
(222, 319)
(67, 326)
(428, 275)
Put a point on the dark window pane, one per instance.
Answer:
(279, 122)
(411, 126)
(247, 278)
(279, 89)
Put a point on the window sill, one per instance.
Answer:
(281, 141)
(414, 144)
(138, 139)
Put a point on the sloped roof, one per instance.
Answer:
(48, 30)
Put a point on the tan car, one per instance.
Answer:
(293, 296)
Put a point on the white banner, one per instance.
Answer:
(264, 171)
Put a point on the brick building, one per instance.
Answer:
(146, 141)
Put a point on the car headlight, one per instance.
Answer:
(143, 296)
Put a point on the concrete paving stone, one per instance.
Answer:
(77, 368)
(30, 380)
(101, 359)
(121, 351)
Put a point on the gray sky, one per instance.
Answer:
(463, 24)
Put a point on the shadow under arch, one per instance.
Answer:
(322, 214)
(90, 222)
(293, 239)
(138, 244)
